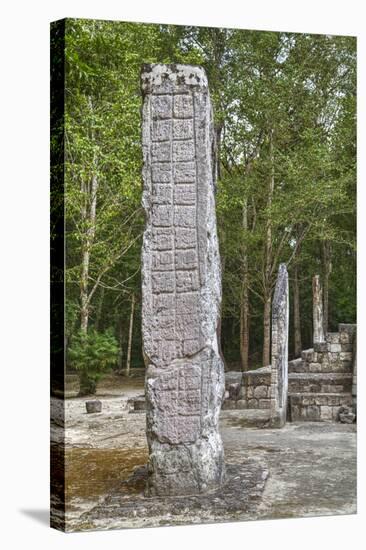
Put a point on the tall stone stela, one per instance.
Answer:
(279, 363)
(318, 317)
(181, 284)
(354, 377)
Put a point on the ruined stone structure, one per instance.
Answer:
(181, 283)
(256, 390)
(318, 317)
(266, 388)
(320, 381)
(279, 356)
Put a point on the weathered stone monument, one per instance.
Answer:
(279, 366)
(318, 318)
(354, 375)
(181, 284)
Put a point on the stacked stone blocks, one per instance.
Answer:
(320, 382)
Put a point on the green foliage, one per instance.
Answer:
(285, 106)
(92, 354)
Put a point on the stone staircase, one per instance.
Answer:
(320, 381)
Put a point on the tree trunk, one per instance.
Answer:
(84, 310)
(327, 268)
(219, 324)
(217, 154)
(267, 332)
(128, 363)
(98, 316)
(120, 339)
(88, 385)
(88, 215)
(297, 317)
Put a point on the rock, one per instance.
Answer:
(137, 404)
(326, 412)
(346, 415)
(181, 284)
(94, 406)
(346, 356)
(279, 368)
(261, 391)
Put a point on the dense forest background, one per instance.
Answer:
(285, 123)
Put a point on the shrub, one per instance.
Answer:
(92, 354)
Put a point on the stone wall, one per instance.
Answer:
(248, 390)
(256, 389)
(333, 355)
(266, 388)
(318, 407)
(321, 381)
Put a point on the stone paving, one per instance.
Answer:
(304, 469)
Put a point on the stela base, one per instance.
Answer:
(238, 498)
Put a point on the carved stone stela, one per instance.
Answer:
(181, 283)
(279, 368)
(318, 317)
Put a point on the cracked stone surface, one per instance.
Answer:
(107, 453)
(181, 284)
(238, 496)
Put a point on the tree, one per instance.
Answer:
(284, 108)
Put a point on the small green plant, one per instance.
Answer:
(92, 354)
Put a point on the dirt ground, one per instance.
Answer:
(310, 467)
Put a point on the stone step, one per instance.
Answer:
(330, 382)
(322, 363)
(318, 407)
(297, 365)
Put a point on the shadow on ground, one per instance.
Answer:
(42, 516)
